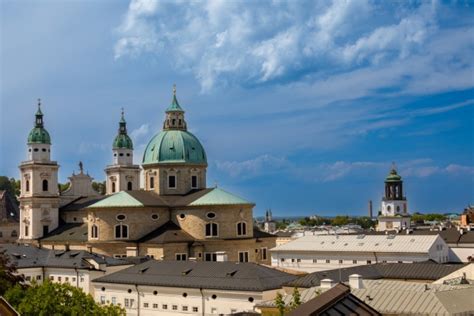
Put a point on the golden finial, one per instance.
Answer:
(174, 89)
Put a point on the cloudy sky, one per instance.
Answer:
(301, 106)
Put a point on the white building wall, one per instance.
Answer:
(171, 301)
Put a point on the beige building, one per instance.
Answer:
(174, 217)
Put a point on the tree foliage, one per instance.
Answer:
(8, 275)
(280, 304)
(418, 217)
(296, 300)
(99, 187)
(57, 299)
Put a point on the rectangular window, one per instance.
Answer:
(152, 182)
(212, 230)
(195, 309)
(181, 257)
(172, 182)
(73, 279)
(194, 182)
(164, 306)
(354, 261)
(185, 308)
(28, 278)
(126, 302)
(114, 300)
(132, 303)
(66, 279)
(369, 261)
(27, 230)
(315, 260)
(210, 256)
(155, 306)
(51, 278)
(102, 299)
(243, 256)
(298, 260)
(282, 259)
(145, 305)
(340, 261)
(328, 261)
(292, 260)
(174, 307)
(38, 277)
(82, 279)
(264, 253)
(59, 279)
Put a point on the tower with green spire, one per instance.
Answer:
(394, 209)
(39, 196)
(122, 175)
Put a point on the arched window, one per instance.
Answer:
(129, 186)
(194, 182)
(27, 185)
(14, 233)
(45, 185)
(94, 231)
(389, 208)
(172, 182)
(241, 229)
(398, 208)
(113, 187)
(121, 231)
(152, 182)
(212, 230)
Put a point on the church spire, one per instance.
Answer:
(123, 124)
(39, 116)
(122, 140)
(174, 115)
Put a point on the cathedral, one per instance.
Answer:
(173, 216)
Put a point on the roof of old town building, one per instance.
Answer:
(8, 208)
(234, 276)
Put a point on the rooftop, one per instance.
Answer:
(366, 243)
(201, 274)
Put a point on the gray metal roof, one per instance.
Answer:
(201, 274)
(413, 298)
(26, 256)
(68, 232)
(406, 271)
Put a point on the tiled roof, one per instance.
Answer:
(357, 243)
(336, 301)
(201, 274)
(167, 233)
(25, 256)
(406, 271)
(68, 232)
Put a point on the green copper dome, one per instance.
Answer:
(122, 140)
(393, 176)
(39, 135)
(174, 146)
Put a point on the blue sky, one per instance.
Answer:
(301, 105)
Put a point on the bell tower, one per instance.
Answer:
(122, 175)
(394, 209)
(39, 197)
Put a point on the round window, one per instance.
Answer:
(121, 217)
(250, 299)
(154, 217)
(129, 291)
(155, 292)
(182, 216)
(214, 296)
(211, 215)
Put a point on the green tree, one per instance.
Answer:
(340, 220)
(99, 187)
(57, 299)
(296, 300)
(63, 186)
(280, 304)
(8, 273)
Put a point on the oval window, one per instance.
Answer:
(182, 216)
(121, 217)
(211, 215)
(154, 217)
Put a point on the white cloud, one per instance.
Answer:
(138, 133)
(232, 42)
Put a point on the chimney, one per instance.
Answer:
(370, 209)
(355, 281)
(327, 283)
